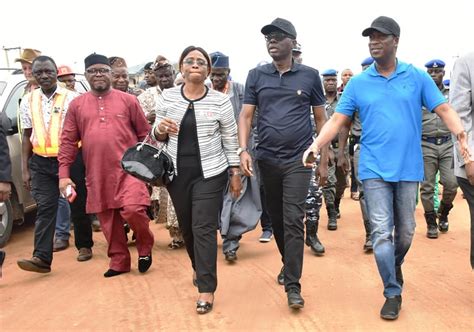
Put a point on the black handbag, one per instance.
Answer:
(149, 164)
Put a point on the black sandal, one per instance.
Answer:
(203, 307)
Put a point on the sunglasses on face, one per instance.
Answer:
(277, 36)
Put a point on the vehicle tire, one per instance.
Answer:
(6, 222)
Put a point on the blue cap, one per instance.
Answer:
(367, 61)
(435, 63)
(219, 60)
(446, 82)
(329, 72)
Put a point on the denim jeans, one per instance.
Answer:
(63, 219)
(391, 209)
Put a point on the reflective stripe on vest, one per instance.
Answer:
(46, 141)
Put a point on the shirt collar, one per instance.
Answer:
(59, 90)
(271, 69)
(401, 67)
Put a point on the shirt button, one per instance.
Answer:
(100, 97)
(101, 108)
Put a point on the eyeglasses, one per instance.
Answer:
(191, 61)
(95, 71)
(278, 36)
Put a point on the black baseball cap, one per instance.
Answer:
(385, 25)
(280, 24)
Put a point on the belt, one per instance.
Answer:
(436, 140)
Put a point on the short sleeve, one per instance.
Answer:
(250, 96)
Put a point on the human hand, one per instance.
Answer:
(168, 126)
(307, 160)
(5, 191)
(235, 185)
(246, 163)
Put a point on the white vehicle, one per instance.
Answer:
(12, 85)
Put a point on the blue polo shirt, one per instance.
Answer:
(390, 115)
(284, 110)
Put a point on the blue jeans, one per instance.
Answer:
(391, 209)
(63, 219)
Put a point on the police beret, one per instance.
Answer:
(329, 72)
(367, 61)
(435, 63)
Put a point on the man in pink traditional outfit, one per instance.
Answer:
(107, 122)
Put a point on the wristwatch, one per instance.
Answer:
(240, 150)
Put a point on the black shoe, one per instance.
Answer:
(432, 232)
(368, 246)
(399, 275)
(391, 307)
(230, 256)
(443, 226)
(112, 273)
(144, 263)
(295, 301)
(315, 245)
(281, 276)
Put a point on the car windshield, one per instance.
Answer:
(3, 85)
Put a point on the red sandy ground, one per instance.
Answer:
(342, 289)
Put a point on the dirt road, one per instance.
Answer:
(342, 289)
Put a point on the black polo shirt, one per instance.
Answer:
(284, 103)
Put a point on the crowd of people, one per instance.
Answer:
(389, 129)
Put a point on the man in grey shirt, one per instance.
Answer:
(462, 99)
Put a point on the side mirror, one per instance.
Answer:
(9, 125)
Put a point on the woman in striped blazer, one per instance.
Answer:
(199, 127)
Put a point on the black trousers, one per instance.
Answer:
(81, 221)
(45, 191)
(468, 191)
(286, 187)
(198, 202)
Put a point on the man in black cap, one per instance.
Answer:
(284, 92)
(391, 160)
(107, 122)
(437, 149)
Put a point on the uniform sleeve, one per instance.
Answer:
(250, 96)
(347, 105)
(228, 130)
(431, 95)
(317, 93)
(25, 114)
(70, 135)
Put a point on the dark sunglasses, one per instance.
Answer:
(277, 36)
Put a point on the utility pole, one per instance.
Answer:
(7, 49)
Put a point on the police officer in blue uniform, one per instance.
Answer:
(437, 149)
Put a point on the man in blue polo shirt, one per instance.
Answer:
(389, 96)
(284, 92)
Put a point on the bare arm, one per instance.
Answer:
(245, 124)
(327, 134)
(342, 161)
(453, 122)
